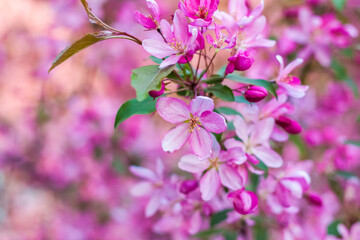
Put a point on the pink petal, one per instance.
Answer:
(181, 29)
(295, 91)
(216, 148)
(232, 143)
(323, 55)
(201, 142)
(229, 177)
(158, 48)
(172, 110)
(141, 189)
(213, 122)
(294, 187)
(268, 156)
(355, 230)
(262, 131)
(291, 66)
(200, 105)
(173, 59)
(195, 223)
(166, 30)
(143, 173)
(194, 164)
(153, 205)
(235, 154)
(343, 231)
(279, 135)
(152, 4)
(160, 168)
(176, 138)
(209, 184)
(241, 128)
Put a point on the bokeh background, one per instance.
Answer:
(63, 167)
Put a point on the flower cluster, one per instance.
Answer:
(246, 128)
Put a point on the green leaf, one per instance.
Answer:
(241, 99)
(84, 42)
(227, 111)
(230, 126)
(147, 78)
(208, 233)
(339, 4)
(260, 231)
(345, 174)
(339, 70)
(218, 217)
(156, 60)
(356, 143)
(134, 107)
(213, 80)
(229, 235)
(332, 228)
(222, 91)
(258, 82)
(299, 142)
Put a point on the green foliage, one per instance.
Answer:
(341, 74)
(241, 99)
(84, 42)
(355, 143)
(219, 217)
(147, 78)
(227, 111)
(214, 79)
(222, 91)
(258, 82)
(345, 174)
(339, 4)
(332, 228)
(134, 107)
(156, 60)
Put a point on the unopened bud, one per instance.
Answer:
(289, 125)
(244, 202)
(188, 186)
(314, 199)
(255, 93)
(241, 61)
(154, 94)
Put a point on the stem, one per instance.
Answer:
(192, 71)
(159, 31)
(198, 64)
(178, 75)
(179, 90)
(207, 68)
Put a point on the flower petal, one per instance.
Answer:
(194, 164)
(158, 48)
(201, 104)
(143, 173)
(241, 128)
(213, 122)
(153, 205)
(229, 177)
(173, 59)
(172, 109)
(268, 156)
(291, 66)
(262, 131)
(200, 142)
(209, 184)
(176, 138)
(141, 189)
(181, 28)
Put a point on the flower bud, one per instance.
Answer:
(188, 186)
(289, 125)
(255, 93)
(244, 202)
(314, 199)
(241, 61)
(154, 94)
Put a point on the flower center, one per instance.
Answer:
(177, 45)
(193, 122)
(202, 13)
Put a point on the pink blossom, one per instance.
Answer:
(221, 39)
(255, 141)
(152, 184)
(291, 84)
(289, 125)
(151, 21)
(245, 202)
(194, 123)
(201, 11)
(179, 41)
(219, 171)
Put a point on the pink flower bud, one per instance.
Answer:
(154, 94)
(188, 186)
(314, 199)
(244, 202)
(255, 93)
(289, 125)
(241, 61)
